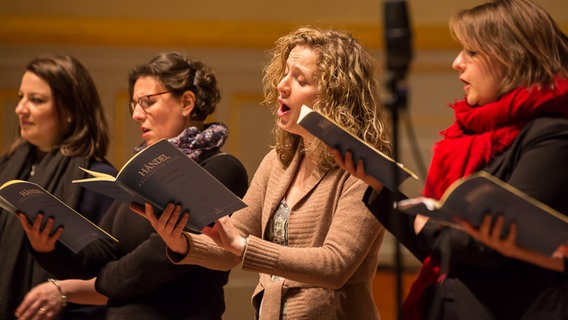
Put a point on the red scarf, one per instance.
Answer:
(476, 137)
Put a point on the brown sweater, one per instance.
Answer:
(333, 241)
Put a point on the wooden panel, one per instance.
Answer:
(125, 133)
(110, 32)
(250, 130)
(8, 119)
(385, 293)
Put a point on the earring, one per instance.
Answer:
(68, 119)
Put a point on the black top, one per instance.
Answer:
(54, 172)
(481, 283)
(137, 277)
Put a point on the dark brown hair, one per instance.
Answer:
(180, 73)
(77, 105)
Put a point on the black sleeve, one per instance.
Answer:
(229, 171)
(62, 263)
(138, 272)
(93, 205)
(147, 267)
(399, 224)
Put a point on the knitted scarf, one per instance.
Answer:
(198, 145)
(477, 136)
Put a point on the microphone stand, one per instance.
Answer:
(398, 100)
(398, 41)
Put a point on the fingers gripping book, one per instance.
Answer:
(377, 164)
(31, 199)
(162, 174)
(539, 227)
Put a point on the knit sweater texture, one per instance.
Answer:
(332, 253)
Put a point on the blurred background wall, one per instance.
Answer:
(111, 36)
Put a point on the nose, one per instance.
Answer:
(138, 114)
(283, 86)
(21, 107)
(458, 64)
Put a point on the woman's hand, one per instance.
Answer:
(43, 301)
(359, 171)
(169, 225)
(40, 239)
(489, 233)
(226, 236)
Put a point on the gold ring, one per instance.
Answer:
(42, 310)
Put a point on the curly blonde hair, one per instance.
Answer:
(348, 91)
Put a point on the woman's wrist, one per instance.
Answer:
(183, 248)
(245, 246)
(61, 293)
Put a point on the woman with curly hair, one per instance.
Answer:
(305, 230)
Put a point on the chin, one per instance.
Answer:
(471, 102)
(150, 141)
(280, 125)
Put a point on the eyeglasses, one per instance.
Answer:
(144, 101)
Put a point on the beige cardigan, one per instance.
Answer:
(333, 241)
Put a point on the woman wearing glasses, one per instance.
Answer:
(171, 97)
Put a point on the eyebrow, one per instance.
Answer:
(34, 94)
(304, 71)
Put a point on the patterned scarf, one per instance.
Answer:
(477, 136)
(198, 145)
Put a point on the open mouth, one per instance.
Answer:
(283, 109)
(466, 85)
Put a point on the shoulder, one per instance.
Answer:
(270, 162)
(546, 126)
(222, 161)
(535, 162)
(542, 138)
(270, 157)
(349, 182)
(229, 170)
(548, 131)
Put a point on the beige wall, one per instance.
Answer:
(109, 37)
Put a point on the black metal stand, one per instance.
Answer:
(398, 99)
(398, 43)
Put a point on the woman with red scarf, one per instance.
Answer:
(513, 123)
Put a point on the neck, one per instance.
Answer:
(195, 123)
(306, 168)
